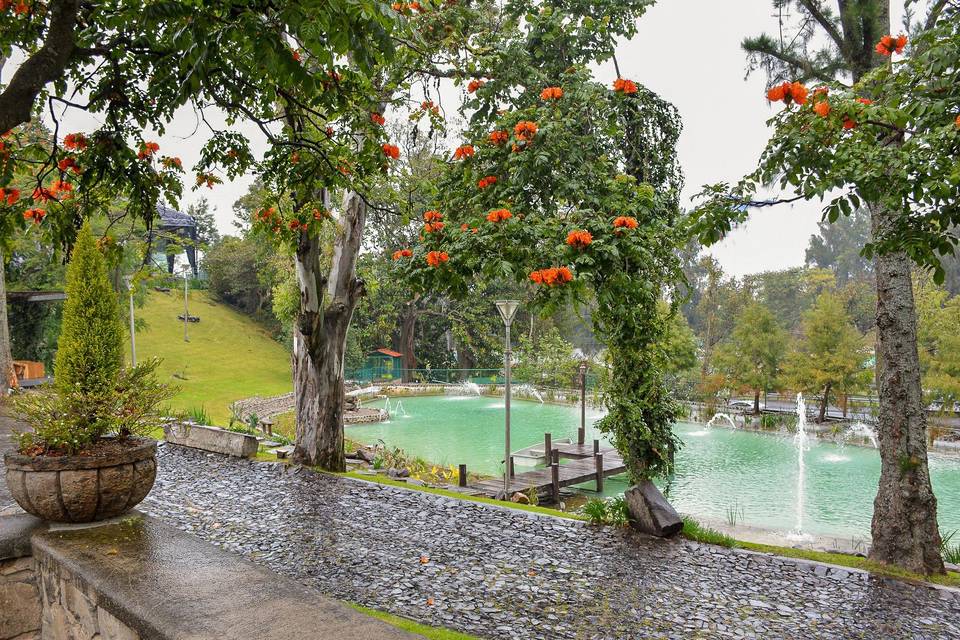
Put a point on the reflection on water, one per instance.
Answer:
(717, 468)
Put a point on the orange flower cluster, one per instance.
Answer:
(788, 92)
(391, 151)
(625, 222)
(624, 86)
(498, 136)
(19, 8)
(172, 162)
(551, 93)
(265, 215)
(75, 141)
(499, 215)
(430, 227)
(551, 276)
(402, 253)
(822, 108)
(525, 130)
(42, 194)
(436, 258)
(889, 45)
(579, 239)
(474, 85)
(376, 118)
(404, 7)
(464, 151)
(62, 189)
(321, 215)
(37, 215)
(428, 105)
(208, 179)
(483, 183)
(9, 195)
(848, 123)
(866, 101)
(69, 163)
(957, 121)
(432, 216)
(465, 227)
(296, 225)
(148, 149)
(296, 55)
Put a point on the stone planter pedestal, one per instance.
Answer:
(82, 488)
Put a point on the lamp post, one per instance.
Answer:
(133, 339)
(507, 309)
(186, 311)
(582, 433)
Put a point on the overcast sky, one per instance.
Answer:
(689, 52)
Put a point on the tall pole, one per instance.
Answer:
(186, 312)
(506, 403)
(133, 339)
(582, 433)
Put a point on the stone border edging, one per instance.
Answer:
(15, 533)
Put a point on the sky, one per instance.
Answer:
(688, 51)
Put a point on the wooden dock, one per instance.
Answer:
(568, 464)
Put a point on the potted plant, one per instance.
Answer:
(85, 457)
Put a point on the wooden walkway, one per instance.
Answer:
(569, 464)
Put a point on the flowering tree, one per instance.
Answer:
(887, 143)
(571, 186)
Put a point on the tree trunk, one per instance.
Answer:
(824, 403)
(756, 403)
(320, 338)
(904, 526)
(408, 343)
(9, 378)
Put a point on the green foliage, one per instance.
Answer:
(838, 247)
(90, 351)
(65, 420)
(696, 531)
(611, 511)
(830, 357)
(547, 360)
(198, 415)
(938, 341)
(951, 552)
(751, 358)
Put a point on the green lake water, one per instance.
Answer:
(718, 470)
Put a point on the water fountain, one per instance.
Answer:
(722, 416)
(862, 430)
(802, 443)
(399, 411)
(466, 388)
(528, 389)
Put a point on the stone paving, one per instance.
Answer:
(504, 573)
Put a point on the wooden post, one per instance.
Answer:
(596, 447)
(463, 475)
(555, 481)
(555, 456)
(512, 472)
(547, 447)
(598, 461)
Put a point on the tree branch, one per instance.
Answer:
(813, 6)
(46, 65)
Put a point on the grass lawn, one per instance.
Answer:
(433, 633)
(229, 357)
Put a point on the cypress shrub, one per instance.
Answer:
(90, 351)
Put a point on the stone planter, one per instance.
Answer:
(82, 488)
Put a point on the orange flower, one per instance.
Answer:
(432, 216)
(536, 276)
(551, 276)
(208, 179)
(464, 227)
(68, 163)
(889, 45)
(957, 121)
(75, 141)
(10, 195)
(21, 8)
(551, 93)
(42, 194)
(788, 92)
(525, 130)
(499, 215)
(430, 227)
(399, 6)
(402, 253)
(474, 85)
(148, 149)
(498, 137)
(427, 105)
(483, 183)
(59, 187)
(37, 215)
(624, 86)
(376, 118)
(296, 55)
(321, 215)
(415, 6)
(436, 258)
(625, 222)
(295, 224)
(848, 123)
(391, 150)
(172, 162)
(822, 108)
(464, 151)
(579, 239)
(866, 101)
(565, 274)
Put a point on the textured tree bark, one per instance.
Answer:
(824, 403)
(320, 336)
(408, 342)
(904, 526)
(756, 402)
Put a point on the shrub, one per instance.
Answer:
(696, 531)
(90, 349)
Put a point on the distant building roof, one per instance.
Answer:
(173, 218)
(388, 352)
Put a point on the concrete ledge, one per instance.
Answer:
(15, 532)
(213, 439)
(162, 583)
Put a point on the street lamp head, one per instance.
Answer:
(507, 309)
(128, 280)
(583, 366)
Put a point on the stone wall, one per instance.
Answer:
(19, 600)
(263, 407)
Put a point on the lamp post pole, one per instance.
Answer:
(133, 338)
(582, 433)
(507, 309)
(186, 311)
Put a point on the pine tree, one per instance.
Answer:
(90, 351)
(751, 357)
